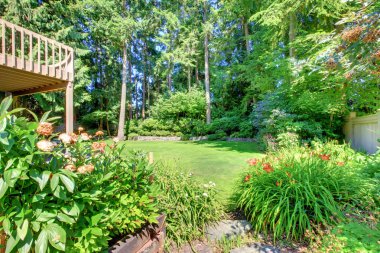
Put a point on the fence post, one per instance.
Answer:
(150, 158)
(349, 127)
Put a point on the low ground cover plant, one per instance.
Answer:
(188, 204)
(66, 192)
(294, 189)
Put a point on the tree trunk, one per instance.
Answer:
(144, 84)
(170, 77)
(292, 34)
(246, 35)
(136, 102)
(189, 78)
(130, 108)
(120, 132)
(197, 73)
(207, 74)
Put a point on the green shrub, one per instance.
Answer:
(288, 140)
(218, 135)
(293, 189)
(71, 197)
(346, 238)
(371, 171)
(132, 136)
(188, 204)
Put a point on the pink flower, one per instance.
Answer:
(45, 146)
(89, 168)
(247, 178)
(85, 136)
(45, 129)
(70, 167)
(65, 138)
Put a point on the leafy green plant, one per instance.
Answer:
(289, 191)
(346, 238)
(188, 204)
(67, 194)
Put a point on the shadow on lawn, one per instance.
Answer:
(241, 147)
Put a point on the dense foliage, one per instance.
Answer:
(273, 66)
(189, 205)
(70, 194)
(296, 189)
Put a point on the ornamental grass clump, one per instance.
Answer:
(188, 204)
(291, 191)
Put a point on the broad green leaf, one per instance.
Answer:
(41, 179)
(4, 138)
(54, 182)
(23, 230)
(96, 231)
(12, 241)
(11, 176)
(36, 226)
(96, 218)
(7, 225)
(26, 244)
(42, 242)
(67, 182)
(45, 116)
(3, 188)
(5, 104)
(72, 211)
(45, 216)
(65, 218)
(56, 236)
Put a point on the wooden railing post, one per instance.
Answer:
(22, 50)
(31, 65)
(3, 41)
(13, 39)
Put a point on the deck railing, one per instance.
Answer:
(23, 49)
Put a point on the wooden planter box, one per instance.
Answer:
(150, 240)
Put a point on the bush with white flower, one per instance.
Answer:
(62, 192)
(189, 205)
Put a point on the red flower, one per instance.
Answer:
(340, 163)
(324, 157)
(247, 178)
(252, 161)
(267, 167)
(277, 183)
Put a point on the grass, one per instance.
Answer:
(218, 161)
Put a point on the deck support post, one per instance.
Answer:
(70, 108)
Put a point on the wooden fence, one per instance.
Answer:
(363, 132)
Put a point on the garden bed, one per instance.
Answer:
(150, 240)
(155, 138)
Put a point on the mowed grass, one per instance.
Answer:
(218, 161)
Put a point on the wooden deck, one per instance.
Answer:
(32, 63)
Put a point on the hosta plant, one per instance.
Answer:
(290, 191)
(66, 192)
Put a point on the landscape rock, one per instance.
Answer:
(228, 229)
(256, 248)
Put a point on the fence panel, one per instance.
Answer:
(363, 132)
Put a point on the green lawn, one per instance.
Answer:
(218, 161)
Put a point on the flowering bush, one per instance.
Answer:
(188, 204)
(66, 193)
(290, 191)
